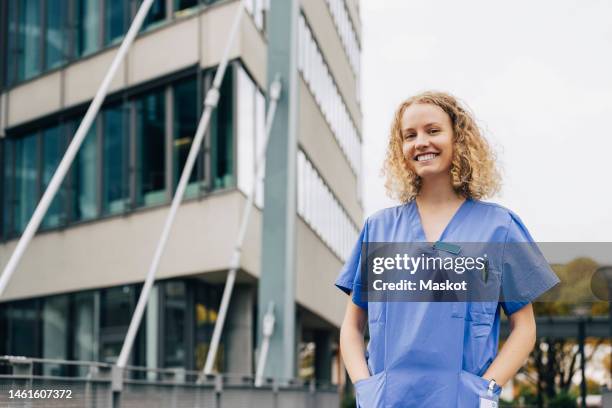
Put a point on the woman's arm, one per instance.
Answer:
(352, 347)
(517, 347)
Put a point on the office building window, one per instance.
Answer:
(23, 320)
(325, 92)
(84, 180)
(55, 315)
(157, 14)
(29, 39)
(7, 186)
(251, 132)
(222, 135)
(185, 121)
(87, 24)
(175, 319)
(115, 157)
(52, 151)
(26, 180)
(321, 211)
(206, 302)
(150, 148)
(56, 38)
(115, 12)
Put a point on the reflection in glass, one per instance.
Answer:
(24, 320)
(87, 13)
(207, 299)
(222, 136)
(115, 158)
(26, 183)
(157, 13)
(86, 326)
(175, 310)
(55, 333)
(184, 128)
(55, 37)
(114, 17)
(29, 39)
(53, 150)
(84, 205)
(150, 141)
(246, 130)
(7, 185)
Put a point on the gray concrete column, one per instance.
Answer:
(277, 281)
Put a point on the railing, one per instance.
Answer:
(34, 382)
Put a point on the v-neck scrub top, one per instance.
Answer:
(433, 354)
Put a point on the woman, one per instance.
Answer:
(441, 354)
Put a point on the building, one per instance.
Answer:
(74, 292)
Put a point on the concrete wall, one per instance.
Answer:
(317, 270)
(119, 250)
(148, 59)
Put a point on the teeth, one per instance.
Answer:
(424, 157)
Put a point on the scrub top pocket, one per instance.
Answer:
(471, 387)
(369, 391)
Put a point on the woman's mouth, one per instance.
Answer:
(426, 157)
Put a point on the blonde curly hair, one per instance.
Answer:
(473, 170)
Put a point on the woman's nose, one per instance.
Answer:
(421, 141)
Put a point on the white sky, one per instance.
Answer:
(537, 74)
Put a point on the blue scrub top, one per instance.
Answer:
(433, 354)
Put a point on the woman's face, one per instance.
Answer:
(427, 139)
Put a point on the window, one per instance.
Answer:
(186, 116)
(52, 151)
(321, 211)
(56, 38)
(222, 135)
(29, 39)
(55, 333)
(26, 181)
(157, 13)
(87, 23)
(115, 156)
(115, 12)
(84, 180)
(175, 318)
(150, 148)
(7, 186)
(246, 129)
(182, 6)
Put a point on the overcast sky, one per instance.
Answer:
(537, 74)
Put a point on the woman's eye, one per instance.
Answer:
(434, 130)
(408, 135)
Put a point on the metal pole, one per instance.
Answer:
(268, 329)
(73, 148)
(210, 102)
(275, 90)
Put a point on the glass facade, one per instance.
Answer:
(91, 326)
(52, 151)
(115, 159)
(322, 211)
(222, 128)
(184, 125)
(84, 176)
(87, 27)
(45, 34)
(132, 156)
(150, 148)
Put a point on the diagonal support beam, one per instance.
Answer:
(73, 148)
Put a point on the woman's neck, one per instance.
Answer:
(437, 192)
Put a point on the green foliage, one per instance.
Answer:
(563, 400)
(348, 401)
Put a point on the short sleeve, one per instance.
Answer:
(349, 279)
(526, 274)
